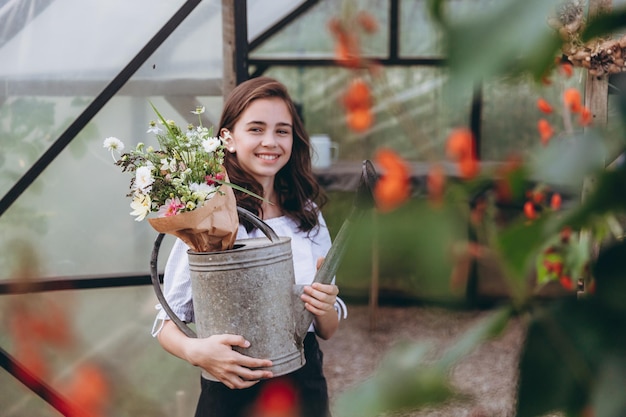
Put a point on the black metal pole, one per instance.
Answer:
(34, 383)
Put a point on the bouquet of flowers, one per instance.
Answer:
(183, 182)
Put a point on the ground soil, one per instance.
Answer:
(488, 375)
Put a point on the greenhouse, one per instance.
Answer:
(494, 134)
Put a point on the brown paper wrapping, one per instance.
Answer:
(210, 228)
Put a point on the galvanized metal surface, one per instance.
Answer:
(248, 291)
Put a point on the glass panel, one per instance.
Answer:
(510, 114)
(109, 333)
(80, 198)
(411, 114)
(263, 14)
(46, 67)
(418, 35)
(308, 36)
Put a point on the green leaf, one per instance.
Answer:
(518, 245)
(489, 328)
(243, 190)
(416, 244)
(607, 196)
(609, 272)
(403, 381)
(567, 161)
(511, 37)
(543, 275)
(608, 399)
(564, 356)
(604, 24)
(435, 10)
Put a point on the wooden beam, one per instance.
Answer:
(597, 88)
(228, 47)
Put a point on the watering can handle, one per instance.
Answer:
(255, 220)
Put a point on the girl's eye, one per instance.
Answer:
(283, 132)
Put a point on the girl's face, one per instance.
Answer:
(263, 139)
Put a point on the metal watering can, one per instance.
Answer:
(250, 290)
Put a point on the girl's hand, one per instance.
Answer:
(216, 356)
(320, 299)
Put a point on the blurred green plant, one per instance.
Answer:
(574, 356)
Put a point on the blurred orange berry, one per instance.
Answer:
(468, 167)
(367, 21)
(359, 120)
(358, 95)
(566, 282)
(278, 398)
(460, 143)
(572, 100)
(538, 197)
(566, 69)
(347, 54)
(393, 187)
(461, 147)
(544, 106)
(504, 172)
(358, 103)
(545, 131)
(586, 117)
(529, 210)
(334, 26)
(88, 392)
(555, 201)
(435, 182)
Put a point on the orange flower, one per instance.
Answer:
(461, 147)
(586, 117)
(538, 197)
(277, 398)
(358, 95)
(359, 120)
(393, 187)
(468, 167)
(367, 21)
(529, 210)
(566, 282)
(460, 143)
(88, 392)
(555, 201)
(435, 182)
(545, 131)
(503, 189)
(572, 100)
(544, 106)
(347, 51)
(358, 103)
(566, 69)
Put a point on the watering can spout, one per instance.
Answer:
(364, 200)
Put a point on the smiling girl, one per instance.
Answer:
(268, 154)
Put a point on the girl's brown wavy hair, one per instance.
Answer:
(295, 184)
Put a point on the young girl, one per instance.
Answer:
(268, 153)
